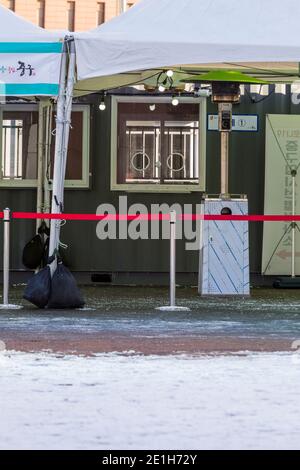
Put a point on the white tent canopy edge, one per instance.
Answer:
(170, 33)
(29, 57)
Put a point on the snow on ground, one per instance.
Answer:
(136, 402)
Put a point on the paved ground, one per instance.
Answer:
(112, 401)
(124, 375)
(124, 319)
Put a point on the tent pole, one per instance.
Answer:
(42, 155)
(68, 113)
(47, 158)
(39, 201)
(59, 135)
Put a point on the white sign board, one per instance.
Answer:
(28, 69)
(240, 122)
(282, 156)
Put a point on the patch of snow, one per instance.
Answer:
(114, 401)
(10, 307)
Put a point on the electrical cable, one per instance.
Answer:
(261, 99)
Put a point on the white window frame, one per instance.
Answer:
(80, 184)
(158, 187)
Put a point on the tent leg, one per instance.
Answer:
(64, 109)
(47, 158)
(45, 119)
(39, 202)
(68, 111)
(59, 136)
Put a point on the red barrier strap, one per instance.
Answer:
(154, 217)
(97, 217)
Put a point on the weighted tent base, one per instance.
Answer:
(287, 283)
(58, 292)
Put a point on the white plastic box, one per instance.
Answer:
(224, 251)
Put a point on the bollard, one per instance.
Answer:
(172, 259)
(6, 249)
(293, 225)
(172, 307)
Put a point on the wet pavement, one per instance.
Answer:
(125, 319)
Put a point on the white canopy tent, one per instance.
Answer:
(259, 36)
(38, 63)
(30, 57)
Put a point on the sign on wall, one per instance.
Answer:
(240, 122)
(282, 156)
(28, 69)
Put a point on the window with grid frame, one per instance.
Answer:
(19, 146)
(156, 145)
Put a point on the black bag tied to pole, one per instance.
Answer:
(64, 290)
(38, 289)
(33, 252)
(60, 292)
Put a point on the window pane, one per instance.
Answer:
(101, 13)
(11, 5)
(19, 145)
(158, 143)
(142, 147)
(71, 16)
(182, 144)
(41, 13)
(74, 159)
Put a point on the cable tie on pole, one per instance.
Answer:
(63, 245)
(56, 201)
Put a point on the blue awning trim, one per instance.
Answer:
(31, 47)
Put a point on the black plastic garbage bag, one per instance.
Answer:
(33, 252)
(38, 288)
(64, 290)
